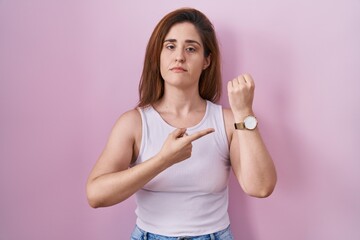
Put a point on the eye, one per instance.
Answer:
(170, 46)
(191, 49)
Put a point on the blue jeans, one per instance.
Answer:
(139, 234)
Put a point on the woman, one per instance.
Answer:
(175, 151)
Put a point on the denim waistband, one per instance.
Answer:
(139, 234)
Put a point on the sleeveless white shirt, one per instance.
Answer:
(191, 197)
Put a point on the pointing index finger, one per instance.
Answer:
(199, 134)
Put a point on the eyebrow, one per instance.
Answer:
(187, 41)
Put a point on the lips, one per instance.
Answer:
(178, 69)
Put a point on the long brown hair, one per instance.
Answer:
(151, 87)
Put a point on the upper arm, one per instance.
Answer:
(233, 141)
(122, 146)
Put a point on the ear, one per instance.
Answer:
(207, 62)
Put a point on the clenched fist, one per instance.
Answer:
(241, 96)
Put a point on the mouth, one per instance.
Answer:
(178, 69)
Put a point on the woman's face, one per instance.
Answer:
(182, 57)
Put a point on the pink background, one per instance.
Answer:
(69, 68)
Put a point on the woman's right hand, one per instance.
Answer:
(112, 181)
(178, 145)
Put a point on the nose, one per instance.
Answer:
(180, 57)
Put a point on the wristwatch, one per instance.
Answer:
(249, 123)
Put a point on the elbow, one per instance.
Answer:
(263, 191)
(92, 197)
(92, 200)
(98, 198)
(93, 203)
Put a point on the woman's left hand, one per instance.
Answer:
(241, 96)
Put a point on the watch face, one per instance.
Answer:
(250, 122)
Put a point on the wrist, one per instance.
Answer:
(240, 116)
(162, 161)
(246, 123)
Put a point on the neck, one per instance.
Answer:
(180, 101)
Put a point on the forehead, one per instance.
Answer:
(183, 31)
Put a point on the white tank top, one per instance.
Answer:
(191, 197)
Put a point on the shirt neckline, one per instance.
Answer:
(189, 128)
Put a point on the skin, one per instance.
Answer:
(182, 60)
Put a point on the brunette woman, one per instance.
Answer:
(176, 149)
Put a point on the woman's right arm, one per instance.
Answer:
(112, 181)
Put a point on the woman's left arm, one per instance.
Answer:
(250, 160)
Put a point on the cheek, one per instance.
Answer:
(199, 66)
(163, 60)
(163, 65)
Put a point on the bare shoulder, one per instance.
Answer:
(121, 145)
(128, 120)
(127, 127)
(124, 140)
